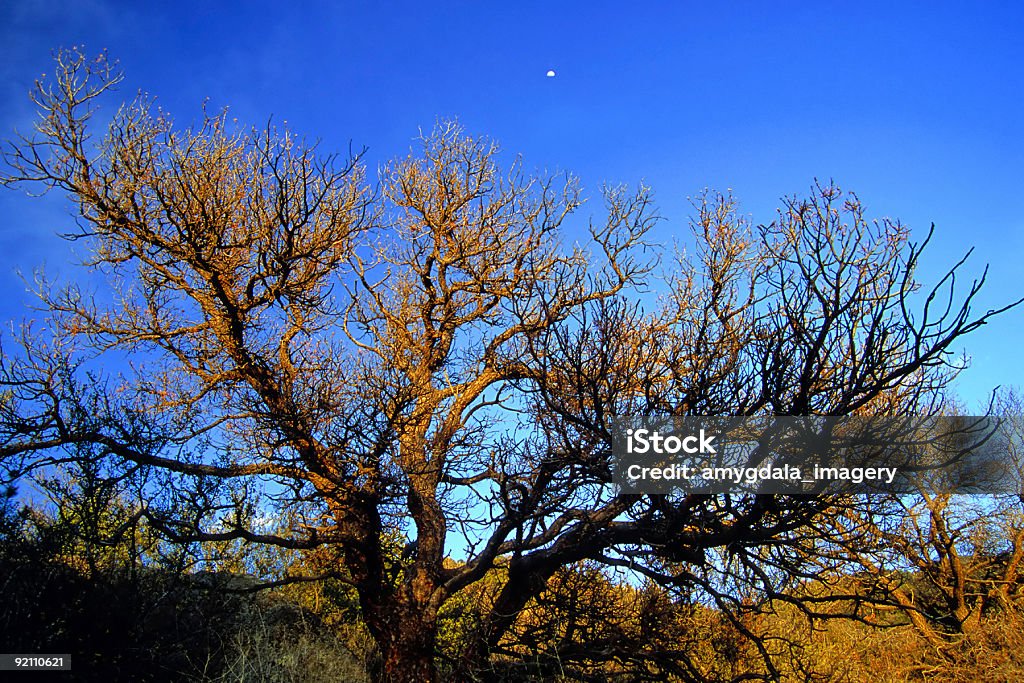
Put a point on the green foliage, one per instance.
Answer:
(145, 623)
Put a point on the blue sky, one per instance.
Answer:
(917, 107)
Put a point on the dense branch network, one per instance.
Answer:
(440, 360)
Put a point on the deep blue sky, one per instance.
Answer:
(917, 108)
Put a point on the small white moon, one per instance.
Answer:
(551, 73)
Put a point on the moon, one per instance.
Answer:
(550, 73)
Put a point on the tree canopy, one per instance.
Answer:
(282, 353)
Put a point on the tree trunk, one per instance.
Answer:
(407, 636)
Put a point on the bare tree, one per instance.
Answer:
(947, 560)
(434, 365)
